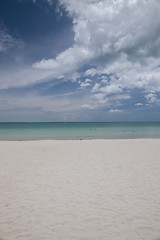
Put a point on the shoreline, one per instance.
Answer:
(93, 139)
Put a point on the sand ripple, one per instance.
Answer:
(80, 190)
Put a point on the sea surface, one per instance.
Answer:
(78, 130)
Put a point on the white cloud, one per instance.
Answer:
(88, 106)
(120, 97)
(101, 97)
(96, 87)
(23, 77)
(88, 80)
(75, 76)
(110, 89)
(152, 98)
(83, 85)
(91, 71)
(86, 83)
(119, 39)
(7, 41)
(102, 100)
(66, 62)
(53, 103)
(116, 111)
(138, 104)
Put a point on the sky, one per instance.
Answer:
(88, 60)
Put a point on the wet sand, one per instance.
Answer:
(80, 190)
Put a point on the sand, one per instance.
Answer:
(80, 190)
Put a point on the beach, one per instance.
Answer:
(80, 189)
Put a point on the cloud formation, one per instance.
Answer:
(7, 41)
(119, 39)
(115, 111)
(114, 58)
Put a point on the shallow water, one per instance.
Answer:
(79, 130)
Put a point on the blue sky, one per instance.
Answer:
(88, 60)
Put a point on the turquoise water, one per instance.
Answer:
(81, 130)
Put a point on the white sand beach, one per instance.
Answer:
(80, 190)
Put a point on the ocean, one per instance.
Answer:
(78, 130)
